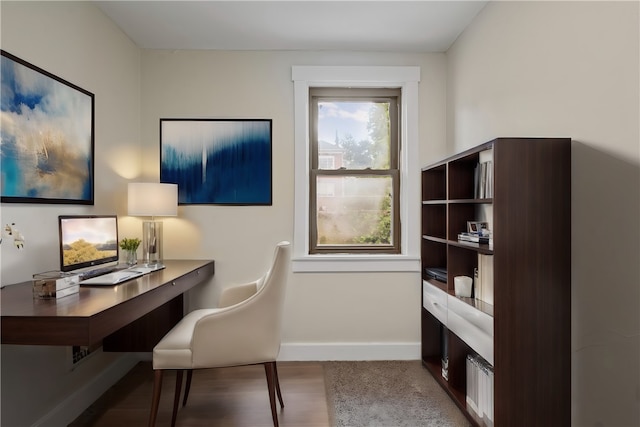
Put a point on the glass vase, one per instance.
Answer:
(131, 256)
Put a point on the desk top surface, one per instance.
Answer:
(18, 300)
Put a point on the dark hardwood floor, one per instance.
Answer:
(229, 397)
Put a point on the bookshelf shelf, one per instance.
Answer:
(474, 201)
(521, 188)
(435, 239)
(480, 248)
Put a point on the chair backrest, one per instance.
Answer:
(271, 292)
(256, 326)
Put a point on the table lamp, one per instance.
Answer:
(152, 199)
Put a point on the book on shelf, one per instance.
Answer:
(480, 386)
(436, 273)
(483, 279)
(472, 381)
(483, 180)
(444, 351)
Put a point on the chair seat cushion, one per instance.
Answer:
(174, 351)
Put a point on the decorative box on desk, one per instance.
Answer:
(55, 284)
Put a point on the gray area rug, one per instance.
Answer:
(387, 394)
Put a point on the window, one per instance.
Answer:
(325, 171)
(325, 189)
(360, 127)
(326, 161)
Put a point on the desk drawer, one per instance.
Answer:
(187, 281)
(472, 326)
(434, 300)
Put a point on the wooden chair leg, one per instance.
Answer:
(268, 368)
(275, 371)
(155, 400)
(176, 397)
(187, 387)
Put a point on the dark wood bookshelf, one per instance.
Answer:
(530, 208)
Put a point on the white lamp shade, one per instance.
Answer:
(152, 199)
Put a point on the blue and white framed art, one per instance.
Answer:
(217, 161)
(46, 137)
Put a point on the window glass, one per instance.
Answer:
(358, 213)
(356, 131)
(326, 161)
(354, 170)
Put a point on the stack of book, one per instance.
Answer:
(474, 237)
(480, 387)
(437, 273)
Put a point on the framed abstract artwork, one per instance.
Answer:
(217, 161)
(47, 137)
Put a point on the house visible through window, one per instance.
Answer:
(354, 170)
(326, 161)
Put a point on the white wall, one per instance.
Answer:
(571, 69)
(353, 310)
(327, 315)
(543, 69)
(75, 41)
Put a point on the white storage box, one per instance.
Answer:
(434, 300)
(472, 326)
(55, 284)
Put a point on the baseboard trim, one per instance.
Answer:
(71, 407)
(349, 351)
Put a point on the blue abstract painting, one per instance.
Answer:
(46, 136)
(216, 161)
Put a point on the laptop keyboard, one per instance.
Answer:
(98, 272)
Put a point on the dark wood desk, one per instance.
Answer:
(131, 316)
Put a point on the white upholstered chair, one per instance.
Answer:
(243, 330)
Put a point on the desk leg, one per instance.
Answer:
(143, 334)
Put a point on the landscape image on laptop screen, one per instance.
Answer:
(86, 241)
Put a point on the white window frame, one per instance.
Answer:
(405, 78)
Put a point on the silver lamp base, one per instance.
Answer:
(151, 242)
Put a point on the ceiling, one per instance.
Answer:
(398, 26)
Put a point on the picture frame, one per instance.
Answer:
(217, 161)
(477, 226)
(47, 151)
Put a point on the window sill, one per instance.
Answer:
(355, 263)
